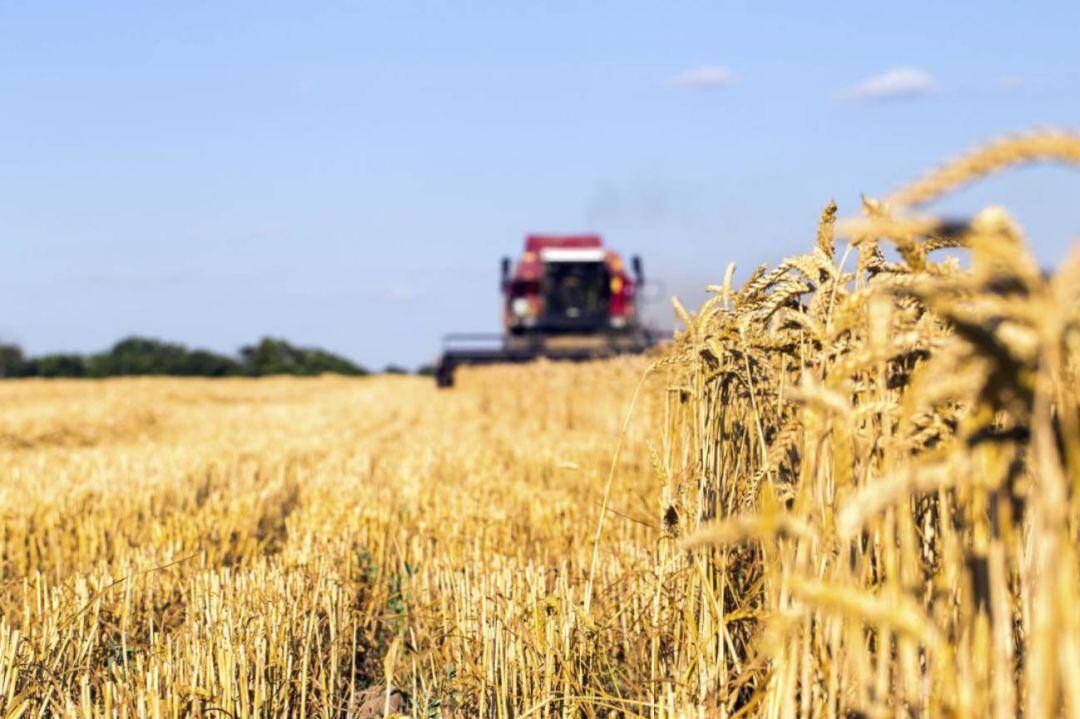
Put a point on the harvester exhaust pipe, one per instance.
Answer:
(639, 273)
(505, 272)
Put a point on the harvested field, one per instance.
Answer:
(175, 546)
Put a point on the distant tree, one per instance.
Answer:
(394, 369)
(276, 356)
(147, 356)
(138, 356)
(56, 365)
(271, 356)
(12, 361)
(201, 363)
(426, 370)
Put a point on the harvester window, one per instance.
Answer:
(576, 289)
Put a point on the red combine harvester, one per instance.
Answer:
(567, 298)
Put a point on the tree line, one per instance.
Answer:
(146, 356)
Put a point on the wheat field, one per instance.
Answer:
(848, 488)
(180, 547)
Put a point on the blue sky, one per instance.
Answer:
(347, 174)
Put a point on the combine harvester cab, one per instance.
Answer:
(567, 298)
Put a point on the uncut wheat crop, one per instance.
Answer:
(847, 488)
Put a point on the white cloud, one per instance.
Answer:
(705, 77)
(900, 83)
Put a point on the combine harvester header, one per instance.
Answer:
(566, 298)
